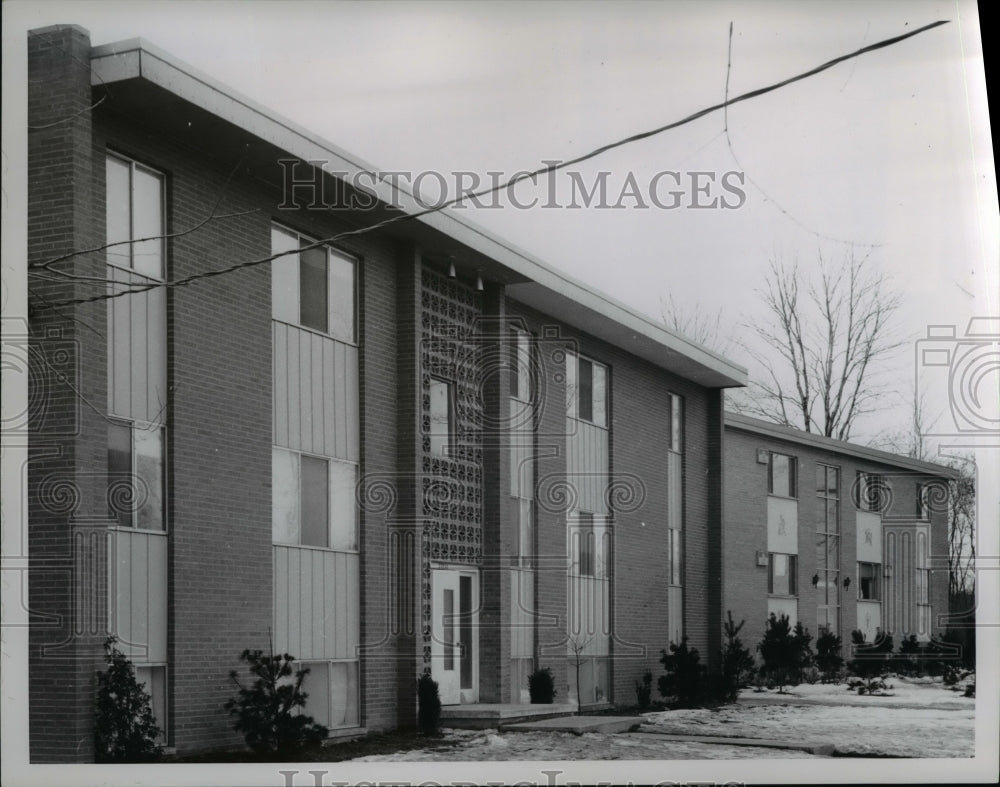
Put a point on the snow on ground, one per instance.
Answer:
(485, 745)
(919, 719)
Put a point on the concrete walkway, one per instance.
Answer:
(823, 749)
(577, 724)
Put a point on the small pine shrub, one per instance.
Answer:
(828, 658)
(737, 662)
(871, 660)
(644, 691)
(686, 678)
(541, 687)
(784, 653)
(124, 726)
(428, 705)
(910, 659)
(268, 712)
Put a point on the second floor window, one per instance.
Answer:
(312, 286)
(782, 475)
(871, 492)
(134, 216)
(442, 419)
(313, 501)
(586, 390)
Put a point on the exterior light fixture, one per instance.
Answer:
(479, 283)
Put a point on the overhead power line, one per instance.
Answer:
(506, 185)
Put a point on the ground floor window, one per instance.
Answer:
(332, 687)
(153, 679)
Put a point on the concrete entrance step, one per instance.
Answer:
(578, 724)
(488, 715)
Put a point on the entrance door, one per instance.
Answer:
(455, 635)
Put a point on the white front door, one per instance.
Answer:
(455, 634)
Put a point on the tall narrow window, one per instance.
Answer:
(871, 492)
(674, 557)
(586, 390)
(781, 475)
(520, 365)
(828, 548)
(441, 417)
(585, 544)
(923, 502)
(134, 217)
(676, 430)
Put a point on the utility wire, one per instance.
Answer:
(517, 178)
(767, 197)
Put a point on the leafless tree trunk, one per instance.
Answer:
(820, 341)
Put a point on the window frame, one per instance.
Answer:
(574, 389)
(923, 507)
(792, 566)
(793, 475)
(332, 253)
(450, 434)
(585, 546)
(877, 581)
(134, 426)
(867, 485)
(521, 348)
(675, 557)
(330, 503)
(111, 255)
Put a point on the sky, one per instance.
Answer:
(887, 155)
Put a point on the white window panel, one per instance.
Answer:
(148, 447)
(441, 420)
(343, 485)
(344, 694)
(342, 302)
(147, 222)
(600, 395)
(154, 681)
(118, 211)
(285, 497)
(284, 277)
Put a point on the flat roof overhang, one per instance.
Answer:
(155, 88)
(789, 434)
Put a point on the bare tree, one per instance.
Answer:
(705, 328)
(820, 340)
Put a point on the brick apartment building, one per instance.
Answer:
(408, 450)
(832, 534)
